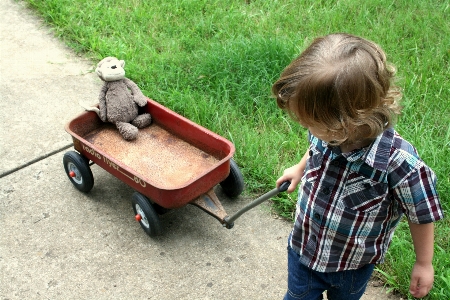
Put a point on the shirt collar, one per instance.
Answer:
(375, 155)
(378, 153)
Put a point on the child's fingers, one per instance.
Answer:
(419, 287)
(281, 180)
(292, 186)
(413, 286)
(419, 291)
(291, 189)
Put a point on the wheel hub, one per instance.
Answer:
(74, 173)
(142, 217)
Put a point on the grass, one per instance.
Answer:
(214, 62)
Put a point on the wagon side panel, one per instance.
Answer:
(120, 171)
(191, 132)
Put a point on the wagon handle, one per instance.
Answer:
(229, 221)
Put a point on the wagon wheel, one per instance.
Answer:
(146, 214)
(233, 185)
(78, 170)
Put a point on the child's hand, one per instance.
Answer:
(422, 278)
(294, 174)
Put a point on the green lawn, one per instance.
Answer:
(215, 61)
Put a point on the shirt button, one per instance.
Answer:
(336, 163)
(313, 238)
(326, 191)
(317, 216)
(311, 153)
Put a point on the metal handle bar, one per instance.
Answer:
(229, 221)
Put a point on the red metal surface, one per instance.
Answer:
(193, 134)
(209, 203)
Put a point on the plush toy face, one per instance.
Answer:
(111, 69)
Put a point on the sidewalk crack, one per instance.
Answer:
(33, 161)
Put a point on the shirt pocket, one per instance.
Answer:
(365, 195)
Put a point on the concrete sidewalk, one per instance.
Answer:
(58, 243)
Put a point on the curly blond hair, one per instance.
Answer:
(342, 83)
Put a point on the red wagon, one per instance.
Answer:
(172, 163)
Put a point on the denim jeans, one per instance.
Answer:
(307, 284)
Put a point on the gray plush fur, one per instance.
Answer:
(119, 99)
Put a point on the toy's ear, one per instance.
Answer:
(98, 71)
(122, 63)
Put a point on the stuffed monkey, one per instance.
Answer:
(119, 99)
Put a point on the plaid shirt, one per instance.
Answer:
(350, 203)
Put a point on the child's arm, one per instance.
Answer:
(294, 174)
(422, 276)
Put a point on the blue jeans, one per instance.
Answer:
(307, 284)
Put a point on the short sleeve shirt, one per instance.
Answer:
(349, 204)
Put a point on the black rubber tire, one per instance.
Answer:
(233, 185)
(83, 180)
(149, 218)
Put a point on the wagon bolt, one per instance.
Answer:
(72, 174)
(138, 217)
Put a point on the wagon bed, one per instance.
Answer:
(172, 162)
(161, 158)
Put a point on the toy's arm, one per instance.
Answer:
(90, 108)
(102, 103)
(138, 97)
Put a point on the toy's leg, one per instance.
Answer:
(142, 121)
(128, 131)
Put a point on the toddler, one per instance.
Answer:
(358, 176)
